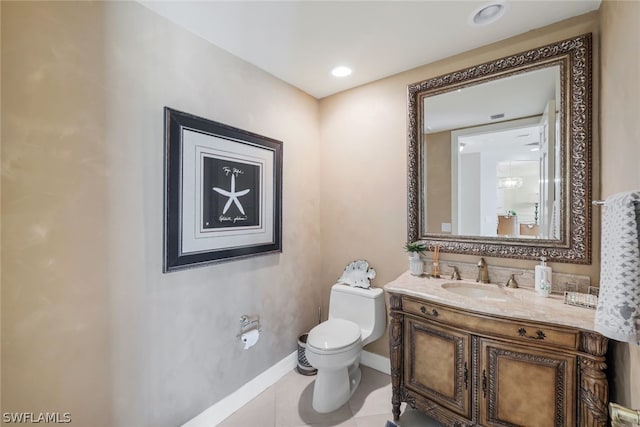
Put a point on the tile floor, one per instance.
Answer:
(288, 404)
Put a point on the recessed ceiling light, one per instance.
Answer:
(489, 13)
(341, 71)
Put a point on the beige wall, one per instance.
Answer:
(363, 182)
(90, 325)
(0, 209)
(55, 326)
(620, 155)
(438, 155)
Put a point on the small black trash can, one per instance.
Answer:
(303, 364)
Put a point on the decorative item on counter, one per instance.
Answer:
(435, 267)
(580, 299)
(542, 271)
(416, 265)
(357, 274)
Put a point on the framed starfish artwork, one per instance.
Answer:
(223, 192)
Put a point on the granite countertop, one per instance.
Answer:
(519, 303)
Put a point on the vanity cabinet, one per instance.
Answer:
(525, 386)
(465, 368)
(437, 361)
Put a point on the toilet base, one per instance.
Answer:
(333, 388)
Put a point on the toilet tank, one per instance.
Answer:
(364, 307)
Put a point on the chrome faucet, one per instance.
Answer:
(483, 273)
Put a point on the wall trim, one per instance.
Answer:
(375, 361)
(223, 409)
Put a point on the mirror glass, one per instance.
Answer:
(490, 150)
(499, 157)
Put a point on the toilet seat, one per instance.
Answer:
(333, 336)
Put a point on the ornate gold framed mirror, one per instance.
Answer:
(499, 156)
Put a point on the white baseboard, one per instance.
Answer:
(375, 361)
(217, 412)
(221, 410)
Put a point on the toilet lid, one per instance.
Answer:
(334, 334)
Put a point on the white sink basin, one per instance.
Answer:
(478, 291)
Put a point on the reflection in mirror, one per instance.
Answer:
(499, 156)
(499, 140)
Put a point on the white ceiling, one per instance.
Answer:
(301, 41)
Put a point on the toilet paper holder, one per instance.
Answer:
(248, 323)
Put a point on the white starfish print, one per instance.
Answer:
(232, 195)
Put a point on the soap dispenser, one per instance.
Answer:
(545, 286)
(542, 277)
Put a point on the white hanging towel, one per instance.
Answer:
(618, 311)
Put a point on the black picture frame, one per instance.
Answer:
(223, 192)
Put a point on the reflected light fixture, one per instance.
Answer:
(341, 71)
(510, 182)
(461, 146)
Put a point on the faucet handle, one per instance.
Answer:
(455, 274)
(511, 283)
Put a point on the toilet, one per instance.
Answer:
(357, 317)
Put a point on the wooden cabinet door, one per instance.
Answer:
(437, 364)
(524, 386)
